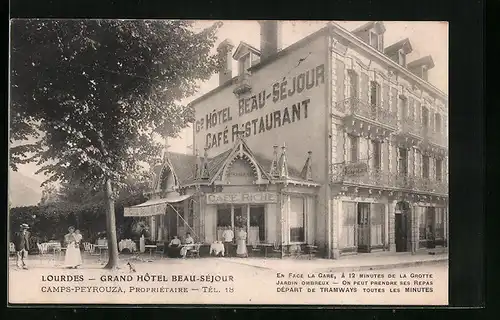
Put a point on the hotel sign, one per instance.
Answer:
(242, 198)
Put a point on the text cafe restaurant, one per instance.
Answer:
(264, 142)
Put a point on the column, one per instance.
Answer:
(248, 220)
(414, 228)
(347, 146)
(446, 226)
(336, 206)
(391, 208)
(389, 143)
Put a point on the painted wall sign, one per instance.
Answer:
(279, 93)
(242, 198)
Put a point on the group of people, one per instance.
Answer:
(241, 242)
(72, 240)
(178, 249)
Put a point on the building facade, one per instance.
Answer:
(335, 141)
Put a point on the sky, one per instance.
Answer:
(427, 38)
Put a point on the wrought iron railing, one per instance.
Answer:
(411, 126)
(362, 174)
(354, 106)
(437, 138)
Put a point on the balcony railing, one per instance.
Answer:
(412, 127)
(361, 174)
(437, 138)
(356, 107)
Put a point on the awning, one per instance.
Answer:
(153, 207)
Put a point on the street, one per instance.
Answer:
(225, 281)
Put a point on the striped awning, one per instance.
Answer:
(153, 207)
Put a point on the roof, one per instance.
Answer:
(330, 27)
(243, 45)
(424, 61)
(404, 44)
(369, 25)
(266, 165)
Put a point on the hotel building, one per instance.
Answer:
(336, 141)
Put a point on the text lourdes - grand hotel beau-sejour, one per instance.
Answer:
(335, 141)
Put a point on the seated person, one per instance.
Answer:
(174, 248)
(187, 245)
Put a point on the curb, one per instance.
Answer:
(386, 266)
(360, 268)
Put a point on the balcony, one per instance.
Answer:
(242, 84)
(360, 174)
(372, 114)
(437, 138)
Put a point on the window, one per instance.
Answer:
(348, 233)
(439, 234)
(437, 122)
(353, 79)
(223, 216)
(425, 166)
(297, 219)
(411, 108)
(374, 93)
(374, 40)
(258, 222)
(377, 224)
(354, 148)
(244, 63)
(394, 100)
(425, 118)
(439, 169)
(377, 155)
(402, 58)
(403, 161)
(403, 107)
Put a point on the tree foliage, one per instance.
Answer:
(100, 90)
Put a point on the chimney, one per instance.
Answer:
(224, 51)
(270, 38)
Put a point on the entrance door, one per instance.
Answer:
(402, 227)
(257, 224)
(364, 227)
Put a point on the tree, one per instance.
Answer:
(100, 92)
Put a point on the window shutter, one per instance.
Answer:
(364, 87)
(445, 125)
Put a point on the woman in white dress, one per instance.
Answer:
(241, 241)
(73, 257)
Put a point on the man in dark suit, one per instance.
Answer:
(22, 244)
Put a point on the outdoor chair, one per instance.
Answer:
(256, 248)
(42, 249)
(277, 249)
(195, 251)
(312, 250)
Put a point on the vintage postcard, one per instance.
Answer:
(228, 162)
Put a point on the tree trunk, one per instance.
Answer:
(111, 228)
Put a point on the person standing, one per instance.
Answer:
(241, 241)
(73, 257)
(228, 236)
(22, 245)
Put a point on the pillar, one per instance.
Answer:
(414, 229)
(391, 207)
(335, 223)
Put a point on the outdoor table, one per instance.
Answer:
(217, 247)
(151, 247)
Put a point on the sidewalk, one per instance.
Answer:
(359, 262)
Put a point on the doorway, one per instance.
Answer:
(402, 227)
(363, 227)
(172, 221)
